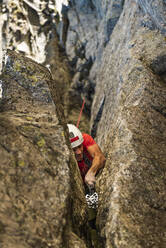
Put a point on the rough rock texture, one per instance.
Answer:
(132, 129)
(90, 25)
(62, 72)
(27, 26)
(41, 204)
(128, 112)
(38, 29)
(117, 51)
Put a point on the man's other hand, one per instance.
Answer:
(90, 179)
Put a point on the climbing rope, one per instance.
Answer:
(79, 118)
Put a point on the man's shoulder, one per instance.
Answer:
(87, 136)
(88, 140)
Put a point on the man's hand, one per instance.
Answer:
(90, 179)
(97, 163)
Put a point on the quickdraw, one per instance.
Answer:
(92, 198)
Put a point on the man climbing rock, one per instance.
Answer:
(88, 154)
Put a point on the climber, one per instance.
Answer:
(88, 154)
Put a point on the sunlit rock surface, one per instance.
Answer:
(117, 58)
(132, 129)
(27, 26)
(41, 204)
(36, 28)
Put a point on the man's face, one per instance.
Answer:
(78, 151)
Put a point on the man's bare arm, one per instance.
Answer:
(97, 163)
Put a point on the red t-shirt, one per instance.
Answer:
(86, 163)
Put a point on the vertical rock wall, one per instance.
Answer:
(42, 205)
(28, 25)
(117, 53)
(90, 24)
(132, 127)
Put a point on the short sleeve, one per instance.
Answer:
(88, 140)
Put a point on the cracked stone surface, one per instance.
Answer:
(39, 199)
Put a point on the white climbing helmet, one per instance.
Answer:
(75, 136)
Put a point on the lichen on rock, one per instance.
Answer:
(38, 208)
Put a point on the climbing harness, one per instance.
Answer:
(79, 117)
(92, 198)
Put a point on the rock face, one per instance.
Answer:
(128, 113)
(27, 26)
(38, 30)
(37, 190)
(117, 52)
(90, 25)
(131, 129)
